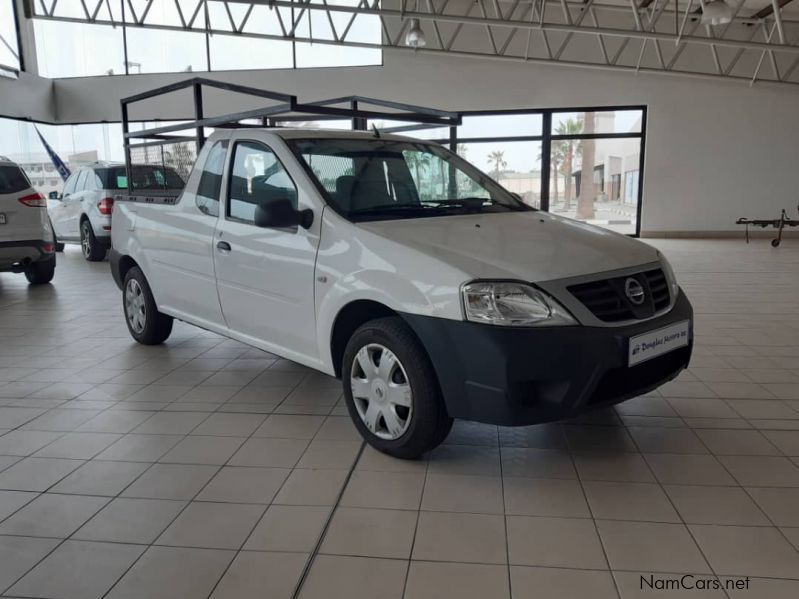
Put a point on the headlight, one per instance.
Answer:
(512, 304)
(674, 288)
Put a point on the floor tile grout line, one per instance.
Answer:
(745, 489)
(504, 515)
(416, 526)
(312, 556)
(271, 502)
(153, 543)
(680, 516)
(591, 512)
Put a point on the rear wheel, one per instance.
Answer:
(41, 272)
(92, 249)
(391, 390)
(146, 324)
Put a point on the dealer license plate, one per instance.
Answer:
(656, 343)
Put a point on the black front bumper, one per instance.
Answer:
(518, 376)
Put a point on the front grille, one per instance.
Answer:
(608, 301)
(659, 288)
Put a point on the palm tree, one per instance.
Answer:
(497, 158)
(587, 193)
(418, 161)
(568, 127)
(557, 160)
(556, 157)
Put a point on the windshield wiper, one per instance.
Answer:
(470, 204)
(393, 208)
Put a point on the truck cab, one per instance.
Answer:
(397, 266)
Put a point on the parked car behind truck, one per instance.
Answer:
(26, 237)
(82, 212)
(431, 291)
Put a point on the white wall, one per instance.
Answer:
(28, 97)
(716, 150)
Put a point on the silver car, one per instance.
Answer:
(82, 212)
(26, 238)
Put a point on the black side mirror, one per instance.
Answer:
(53, 195)
(280, 213)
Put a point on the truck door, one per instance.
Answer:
(265, 276)
(179, 242)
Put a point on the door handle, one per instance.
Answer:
(223, 246)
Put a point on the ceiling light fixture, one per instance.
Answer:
(415, 38)
(716, 12)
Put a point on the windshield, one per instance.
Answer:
(379, 179)
(144, 177)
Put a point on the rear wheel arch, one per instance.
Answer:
(125, 264)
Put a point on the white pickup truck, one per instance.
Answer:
(397, 266)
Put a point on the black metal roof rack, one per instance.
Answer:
(162, 146)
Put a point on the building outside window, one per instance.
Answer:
(141, 36)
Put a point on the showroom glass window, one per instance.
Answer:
(539, 155)
(9, 50)
(142, 36)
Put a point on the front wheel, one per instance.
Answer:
(92, 249)
(146, 324)
(41, 272)
(391, 390)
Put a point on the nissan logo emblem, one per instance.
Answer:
(634, 291)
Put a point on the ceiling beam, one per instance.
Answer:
(769, 10)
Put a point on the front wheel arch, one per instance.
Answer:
(347, 321)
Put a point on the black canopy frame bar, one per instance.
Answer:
(285, 108)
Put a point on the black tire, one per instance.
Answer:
(41, 272)
(93, 250)
(428, 423)
(155, 326)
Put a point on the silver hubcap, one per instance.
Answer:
(134, 306)
(85, 243)
(381, 391)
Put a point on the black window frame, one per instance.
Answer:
(224, 144)
(547, 137)
(230, 162)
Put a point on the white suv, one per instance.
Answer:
(394, 264)
(26, 238)
(82, 212)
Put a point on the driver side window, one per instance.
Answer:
(257, 177)
(69, 186)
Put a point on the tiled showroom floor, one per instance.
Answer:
(203, 468)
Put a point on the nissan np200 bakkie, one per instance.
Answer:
(392, 263)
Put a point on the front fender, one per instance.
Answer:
(377, 286)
